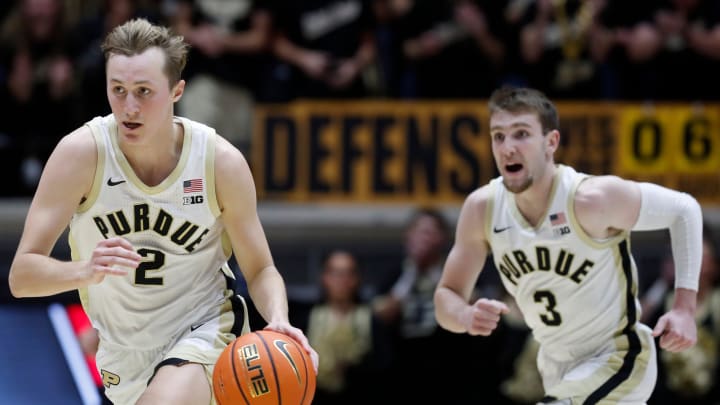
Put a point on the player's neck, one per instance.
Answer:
(533, 202)
(153, 163)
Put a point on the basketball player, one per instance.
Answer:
(156, 204)
(561, 242)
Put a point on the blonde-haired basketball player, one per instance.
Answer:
(156, 204)
(560, 240)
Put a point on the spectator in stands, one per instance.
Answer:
(38, 81)
(409, 310)
(353, 345)
(625, 44)
(554, 46)
(389, 58)
(229, 42)
(409, 301)
(449, 48)
(690, 57)
(324, 48)
(691, 377)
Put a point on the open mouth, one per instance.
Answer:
(514, 168)
(131, 125)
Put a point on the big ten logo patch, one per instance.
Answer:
(561, 230)
(193, 199)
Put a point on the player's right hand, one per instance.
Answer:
(114, 256)
(483, 316)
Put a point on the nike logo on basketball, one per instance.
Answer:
(281, 346)
(498, 230)
(111, 183)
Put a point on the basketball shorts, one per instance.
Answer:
(623, 371)
(126, 373)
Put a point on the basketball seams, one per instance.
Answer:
(272, 363)
(235, 374)
(307, 375)
(286, 371)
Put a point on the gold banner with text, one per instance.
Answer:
(429, 153)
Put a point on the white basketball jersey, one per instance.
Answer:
(173, 225)
(575, 292)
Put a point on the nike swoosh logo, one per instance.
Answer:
(498, 230)
(280, 344)
(193, 327)
(111, 183)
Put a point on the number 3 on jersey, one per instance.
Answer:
(550, 317)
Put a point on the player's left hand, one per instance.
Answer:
(677, 330)
(299, 336)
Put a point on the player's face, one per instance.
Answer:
(139, 94)
(520, 150)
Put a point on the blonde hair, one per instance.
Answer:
(137, 35)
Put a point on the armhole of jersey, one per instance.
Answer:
(579, 229)
(489, 209)
(99, 167)
(210, 173)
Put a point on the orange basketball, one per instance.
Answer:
(264, 368)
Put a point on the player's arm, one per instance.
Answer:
(236, 197)
(68, 176)
(464, 263)
(627, 205)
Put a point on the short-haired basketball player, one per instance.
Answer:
(156, 205)
(560, 240)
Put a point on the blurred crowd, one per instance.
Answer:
(368, 337)
(258, 51)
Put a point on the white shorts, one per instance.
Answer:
(126, 373)
(623, 372)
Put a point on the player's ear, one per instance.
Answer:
(553, 140)
(178, 90)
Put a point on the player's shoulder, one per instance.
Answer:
(70, 169)
(223, 147)
(478, 200)
(78, 144)
(481, 195)
(593, 188)
(227, 154)
(231, 166)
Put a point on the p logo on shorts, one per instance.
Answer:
(109, 378)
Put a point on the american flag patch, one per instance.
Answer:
(557, 218)
(192, 186)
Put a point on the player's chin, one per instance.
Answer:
(516, 186)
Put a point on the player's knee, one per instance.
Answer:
(178, 384)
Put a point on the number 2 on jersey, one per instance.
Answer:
(157, 261)
(551, 317)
